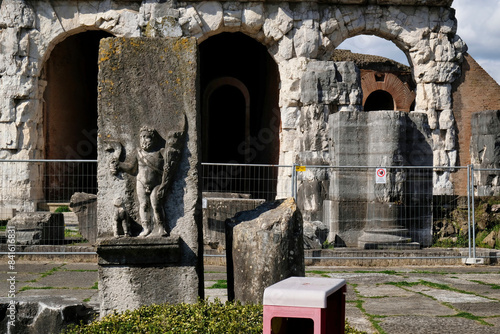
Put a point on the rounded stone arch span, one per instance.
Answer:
(374, 81)
(394, 39)
(210, 89)
(60, 38)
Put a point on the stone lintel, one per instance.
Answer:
(139, 251)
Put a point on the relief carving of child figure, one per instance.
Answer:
(154, 167)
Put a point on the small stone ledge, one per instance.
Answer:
(139, 251)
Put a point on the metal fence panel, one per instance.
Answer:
(349, 212)
(35, 215)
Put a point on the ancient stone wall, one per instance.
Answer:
(300, 36)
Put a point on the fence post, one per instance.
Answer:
(473, 223)
(469, 231)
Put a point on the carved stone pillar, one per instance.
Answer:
(149, 208)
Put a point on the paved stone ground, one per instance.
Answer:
(458, 299)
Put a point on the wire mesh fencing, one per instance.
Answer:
(348, 212)
(48, 206)
(364, 212)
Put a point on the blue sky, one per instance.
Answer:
(478, 26)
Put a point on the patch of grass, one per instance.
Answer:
(430, 272)
(62, 208)
(95, 286)
(51, 271)
(387, 272)
(429, 284)
(470, 316)
(403, 284)
(26, 288)
(371, 317)
(318, 272)
(72, 234)
(493, 286)
(86, 300)
(221, 284)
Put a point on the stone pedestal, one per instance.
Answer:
(264, 246)
(143, 271)
(362, 212)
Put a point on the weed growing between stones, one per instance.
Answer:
(221, 284)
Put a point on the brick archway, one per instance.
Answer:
(388, 82)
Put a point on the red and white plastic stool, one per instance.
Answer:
(320, 299)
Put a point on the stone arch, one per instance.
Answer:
(375, 81)
(247, 66)
(69, 106)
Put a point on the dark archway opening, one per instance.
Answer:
(70, 115)
(240, 113)
(379, 100)
(237, 56)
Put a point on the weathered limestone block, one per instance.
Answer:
(166, 27)
(253, 17)
(16, 13)
(85, 207)
(290, 117)
(38, 228)
(278, 23)
(265, 246)
(190, 21)
(211, 14)
(306, 39)
(485, 152)
(8, 136)
(45, 314)
(328, 82)
(442, 183)
(232, 14)
(285, 47)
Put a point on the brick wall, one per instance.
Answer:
(474, 91)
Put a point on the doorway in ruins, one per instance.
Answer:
(70, 115)
(239, 106)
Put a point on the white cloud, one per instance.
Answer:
(478, 26)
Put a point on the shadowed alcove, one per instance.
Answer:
(70, 112)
